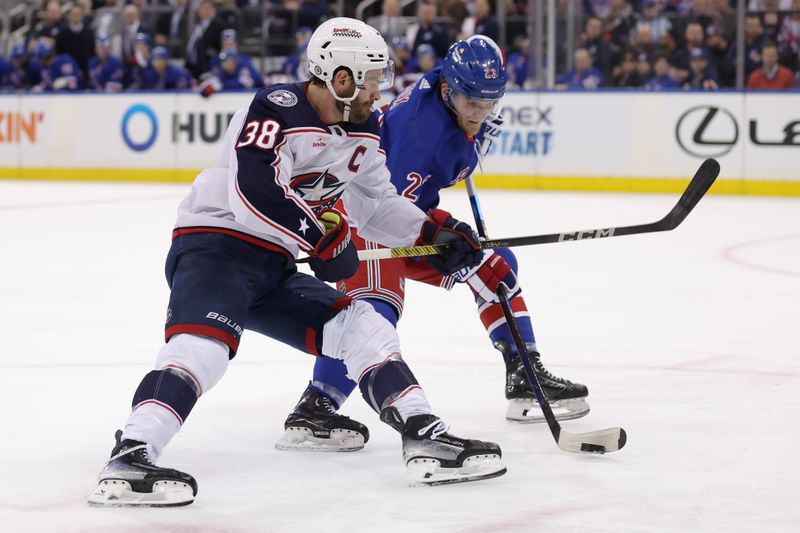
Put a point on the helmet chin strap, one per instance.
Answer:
(346, 101)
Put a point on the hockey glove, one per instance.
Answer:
(487, 277)
(491, 132)
(334, 257)
(463, 250)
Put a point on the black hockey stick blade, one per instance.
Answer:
(702, 181)
(600, 441)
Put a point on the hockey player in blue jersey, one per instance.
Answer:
(434, 134)
(286, 160)
(106, 71)
(161, 75)
(59, 72)
(234, 75)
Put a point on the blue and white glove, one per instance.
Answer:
(491, 132)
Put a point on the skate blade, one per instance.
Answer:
(303, 440)
(528, 411)
(118, 493)
(427, 471)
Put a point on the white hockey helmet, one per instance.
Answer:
(350, 43)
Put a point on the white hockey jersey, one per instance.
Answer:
(281, 165)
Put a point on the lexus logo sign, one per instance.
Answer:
(707, 131)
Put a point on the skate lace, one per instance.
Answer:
(133, 449)
(537, 364)
(439, 428)
(325, 403)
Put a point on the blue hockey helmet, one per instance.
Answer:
(475, 68)
(228, 35)
(159, 52)
(44, 50)
(18, 52)
(103, 41)
(476, 78)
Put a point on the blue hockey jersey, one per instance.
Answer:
(63, 74)
(426, 151)
(106, 75)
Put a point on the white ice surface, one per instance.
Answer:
(690, 340)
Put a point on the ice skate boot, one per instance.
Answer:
(435, 457)
(130, 479)
(567, 399)
(315, 426)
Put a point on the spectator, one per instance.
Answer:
(27, 72)
(230, 15)
(51, 25)
(235, 75)
(598, 48)
(724, 20)
(107, 21)
(389, 22)
(131, 27)
(229, 40)
(59, 72)
(618, 22)
(597, 8)
(517, 62)
(135, 73)
(584, 76)
(161, 75)
(76, 39)
(662, 78)
(427, 31)
(702, 75)
(482, 23)
(628, 75)
(771, 20)
(652, 16)
(789, 38)
(295, 66)
(172, 26)
(106, 72)
(643, 44)
(700, 11)
(753, 41)
(424, 61)
(644, 68)
(771, 75)
(695, 38)
(204, 40)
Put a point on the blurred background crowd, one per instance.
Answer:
(214, 45)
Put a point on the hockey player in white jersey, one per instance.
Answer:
(286, 160)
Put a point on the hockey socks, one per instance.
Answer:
(160, 405)
(330, 375)
(392, 384)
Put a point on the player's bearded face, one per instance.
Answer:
(368, 94)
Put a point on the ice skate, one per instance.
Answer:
(315, 426)
(130, 479)
(435, 457)
(567, 399)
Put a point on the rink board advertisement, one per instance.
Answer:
(551, 140)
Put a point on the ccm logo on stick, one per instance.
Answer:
(588, 234)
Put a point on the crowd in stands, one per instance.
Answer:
(109, 45)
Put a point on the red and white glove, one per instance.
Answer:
(488, 275)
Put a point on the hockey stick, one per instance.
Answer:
(701, 182)
(601, 441)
